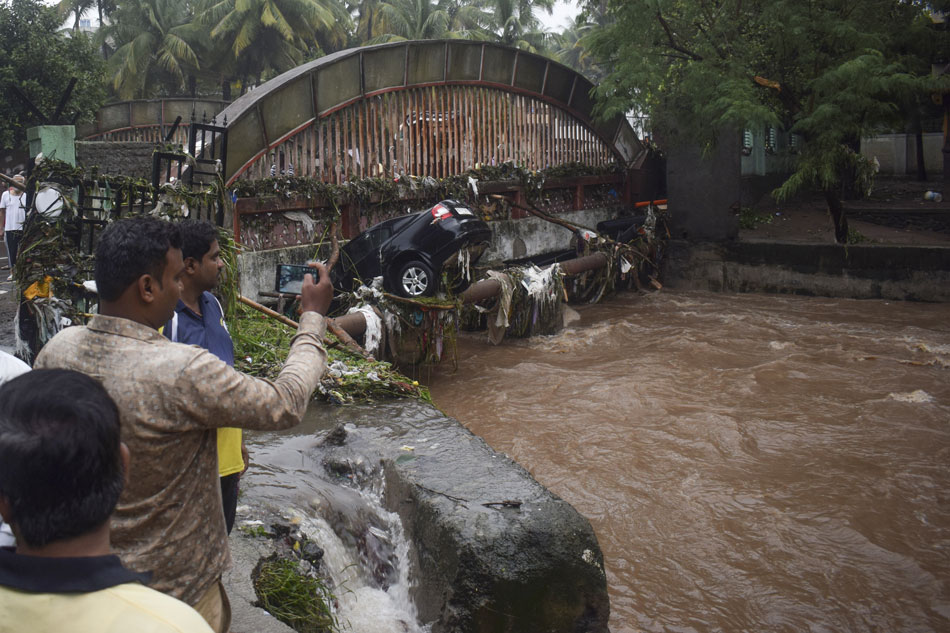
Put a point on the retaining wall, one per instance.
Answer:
(914, 273)
(511, 239)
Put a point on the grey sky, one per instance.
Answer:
(561, 17)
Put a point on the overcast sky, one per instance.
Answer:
(563, 15)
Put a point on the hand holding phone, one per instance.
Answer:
(317, 291)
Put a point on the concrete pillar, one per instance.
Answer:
(704, 190)
(54, 141)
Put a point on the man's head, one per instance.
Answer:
(201, 253)
(62, 466)
(20, 179)
(138, 267)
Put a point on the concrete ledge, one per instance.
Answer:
(531, 565)
(915, 273)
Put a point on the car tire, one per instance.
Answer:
(415, 279)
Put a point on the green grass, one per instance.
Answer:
(749, 218)
(299, 601)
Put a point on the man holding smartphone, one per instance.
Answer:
(172, 398)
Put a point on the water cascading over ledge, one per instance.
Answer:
(490, 549)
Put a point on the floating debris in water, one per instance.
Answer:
(918, 395)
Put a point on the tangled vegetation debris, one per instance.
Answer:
(300, 600)
(261, 345)
(52, 270)
(386, 192)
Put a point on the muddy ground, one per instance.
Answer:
(806, 219)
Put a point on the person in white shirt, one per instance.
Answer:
(13, 202)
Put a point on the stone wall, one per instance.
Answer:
(115, 158)
(914, 273)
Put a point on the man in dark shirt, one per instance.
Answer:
(199, 320)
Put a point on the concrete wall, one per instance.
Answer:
(897, 153)
(511, 239)
(115, 158)
(915, 273)
(526, 237)
(257, 270)
(703, 190)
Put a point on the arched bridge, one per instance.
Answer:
(425, 108)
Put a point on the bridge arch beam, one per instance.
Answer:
(431, 107)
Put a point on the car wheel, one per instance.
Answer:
(415, 280)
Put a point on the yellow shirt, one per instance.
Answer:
(230, 460)
(127, 608)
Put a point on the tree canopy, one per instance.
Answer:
(828, 71)
(40, 61)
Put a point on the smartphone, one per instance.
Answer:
(290, 278)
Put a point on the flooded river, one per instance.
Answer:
(749, 462)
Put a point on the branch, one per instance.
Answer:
(334, 246)
(673, 44)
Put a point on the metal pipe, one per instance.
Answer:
(354, 323)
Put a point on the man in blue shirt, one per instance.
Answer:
(199, 320)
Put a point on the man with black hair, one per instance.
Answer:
(199, 320)
(62, 469)
(172, 399)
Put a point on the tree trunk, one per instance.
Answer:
(192, 86)
(837, 216)
(919, 141)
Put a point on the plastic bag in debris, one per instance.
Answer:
(539, 282)
(337, 369)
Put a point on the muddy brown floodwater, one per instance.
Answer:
(749, 462)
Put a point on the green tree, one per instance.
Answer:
(515, 23)
(399, 20)
(157, 45)
(40, 61)
(572, 47)
(827, 70)
(264, 36)
(76, 8)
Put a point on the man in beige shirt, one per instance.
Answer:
(171, 398)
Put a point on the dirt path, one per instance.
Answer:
(806, 218)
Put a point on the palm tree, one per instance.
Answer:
(515, 24)
(572, 49)
(76, 7)
(156, 43)
(262, 35)
(399, 20)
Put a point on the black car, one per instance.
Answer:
(411, 252)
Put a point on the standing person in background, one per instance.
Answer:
(199, 320)
(13, 202)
